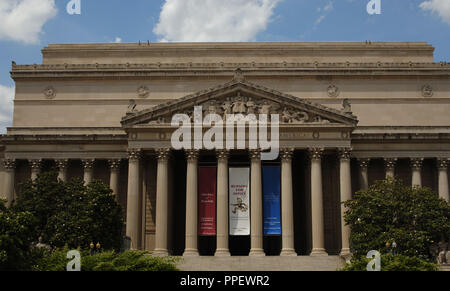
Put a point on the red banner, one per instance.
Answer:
(207, 201)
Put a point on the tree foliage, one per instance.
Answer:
(413, 218)
(71, 213)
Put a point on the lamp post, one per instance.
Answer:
(394, 246)
(91, 246)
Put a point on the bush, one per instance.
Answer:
(16, 229)
(390, 262)
(415, 218)
(107, 261)
(71, 213)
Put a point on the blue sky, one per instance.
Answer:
(210, 20)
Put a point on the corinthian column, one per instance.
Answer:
(114, 167)
(346, 194)
(318, 239)
(162, 203)
(35, 168)
(363, 173)
(62, 169)
(222, 203)
(133, 198)
(88, 166)
(191, 248)
(256, 205)
(443, 179)
(10, 167)
(389, 164)
(287, 204)
(416, 167)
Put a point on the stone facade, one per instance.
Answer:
(351, 113)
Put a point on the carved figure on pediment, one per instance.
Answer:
(319, 119)
(239, 106)
(227, 107)
(212, 108)
(301, 117)
(131, 107)
(251, 106)
(287, 116)
(265, 108)
(159, 120)
(347, 107)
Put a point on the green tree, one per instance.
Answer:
(16, 229)
(415, 218)
(71, 213)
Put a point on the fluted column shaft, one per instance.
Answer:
(256, 205)
(363, 173)
(416, 168)
(10, 167)
(389, 164)
(222, 204)
(346, 195)
(162, 203)
(114, 167)
(318, 235)
(62, 169)
(133, 198)
(287, 204)
(443, 179)
(35, 168)
(191, 247)
(88, 166)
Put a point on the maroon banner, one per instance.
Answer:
(207, 201)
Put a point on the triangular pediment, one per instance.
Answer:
(242, 97)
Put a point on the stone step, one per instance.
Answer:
(261, 264)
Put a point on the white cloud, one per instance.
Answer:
(22, 20)
(6, 107)
(213, 20)
(440, 7)
(324, 12)
(118, 40)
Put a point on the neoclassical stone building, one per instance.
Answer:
(351, 113)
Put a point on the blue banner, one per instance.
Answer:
(272, 200)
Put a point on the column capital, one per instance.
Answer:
(192, 155)
(364, 163)
(134, 154)
(315, 154)
(163, 154)
(88, 164)
(390, 163)
(255, 155)
(345, 154)
(222, 155)
(442, 163)
(114, 164)
(62, 164)
(9, 164)
(35, 164)
(286, 154)
(416, 163)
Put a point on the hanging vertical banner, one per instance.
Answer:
(239, 199)
(272, 200)
(207, 201)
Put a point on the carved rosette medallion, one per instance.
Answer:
(143, 92)
(333, 91)
(364, 163)
(134, 154)
(192, 155)
(315, 154)
(427, 91)
(222, 155)
(442, 164)
(390, 163)
(417, 163)
(49, 92)
(345, 154)
(286, 154)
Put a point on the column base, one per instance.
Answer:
(288, 253)
(346, 255)
(222, 253)
(191, 253)
(257, 253)
(318, 253)
(160, 253)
